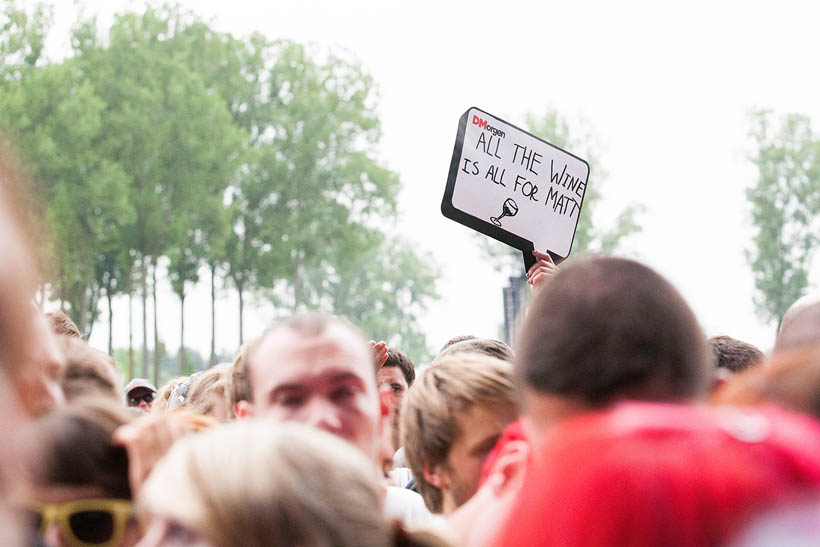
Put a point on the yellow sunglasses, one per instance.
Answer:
(91, 522)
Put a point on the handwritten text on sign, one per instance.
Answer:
(519, 183)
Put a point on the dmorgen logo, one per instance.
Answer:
(484, 125)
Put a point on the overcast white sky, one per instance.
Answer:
(666, 88)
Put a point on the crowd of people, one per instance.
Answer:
(611, 421)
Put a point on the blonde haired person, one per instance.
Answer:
(450, 420)
(247, 483)
(209, 394)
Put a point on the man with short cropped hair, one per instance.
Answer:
(607, 329)
(451, 419)
(319, 370)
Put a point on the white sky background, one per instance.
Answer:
(665, 88)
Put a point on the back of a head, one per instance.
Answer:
(455, 340)
(647, 474)
(247, 483)
(75, 447)
(611, 328)
(485, 346)
(62, 325)
(800, 327)
(791, 380)
(209, 394)
(734, 355)
(87, 372)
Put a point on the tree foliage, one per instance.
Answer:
(161, 137)
(785, 205)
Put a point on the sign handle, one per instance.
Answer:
(529, 259)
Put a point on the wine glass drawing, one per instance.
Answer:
(509, 209)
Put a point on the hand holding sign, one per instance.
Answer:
(538, 188)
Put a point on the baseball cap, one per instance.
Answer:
(139, 383)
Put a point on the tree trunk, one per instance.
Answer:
(156, 327)
(83, 318)
(110, 324)
(181, 353)
(212, 360)
(144, 271)
(241, 311)
(130, 331)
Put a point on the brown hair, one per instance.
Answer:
(486, 346)
(395, 358)
(732, 354)
(87, 371)
(76, 447)
(428, 414)
(791, 380)
(213, 383)
(609, 328)
(62, 325)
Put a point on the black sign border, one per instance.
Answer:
(481, 225)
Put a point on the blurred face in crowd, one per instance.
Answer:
(479, 428)
(141, 398)
(392, 380)
(324, 380)
(71, 515)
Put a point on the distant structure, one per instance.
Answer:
(516, 297)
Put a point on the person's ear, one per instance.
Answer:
(433, 477)
(243, 409)
(508, 472)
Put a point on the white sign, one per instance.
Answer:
(513, 186)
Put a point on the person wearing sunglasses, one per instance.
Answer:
(140, 393)
(78, 494)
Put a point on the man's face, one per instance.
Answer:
(479, 428)
(393, 380)
(141, 397)
(325, 381)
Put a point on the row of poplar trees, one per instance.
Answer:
(248, 161)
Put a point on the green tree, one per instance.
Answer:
(785, 205)
(383, 288)
(590, 235)
(165, 128)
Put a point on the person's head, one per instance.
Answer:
(288, 485)
(791, 380)
(209, 394)
(396, 375)
(732, 354)
(140, 393)
(87, 372)
(800, 327)
(654, 474)
(317, 370)
(486, 346)
(450, 420)
(239, 389)
(79, 488)
(455, 340)
(62, 325)
(160, 403)
(607, 329)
